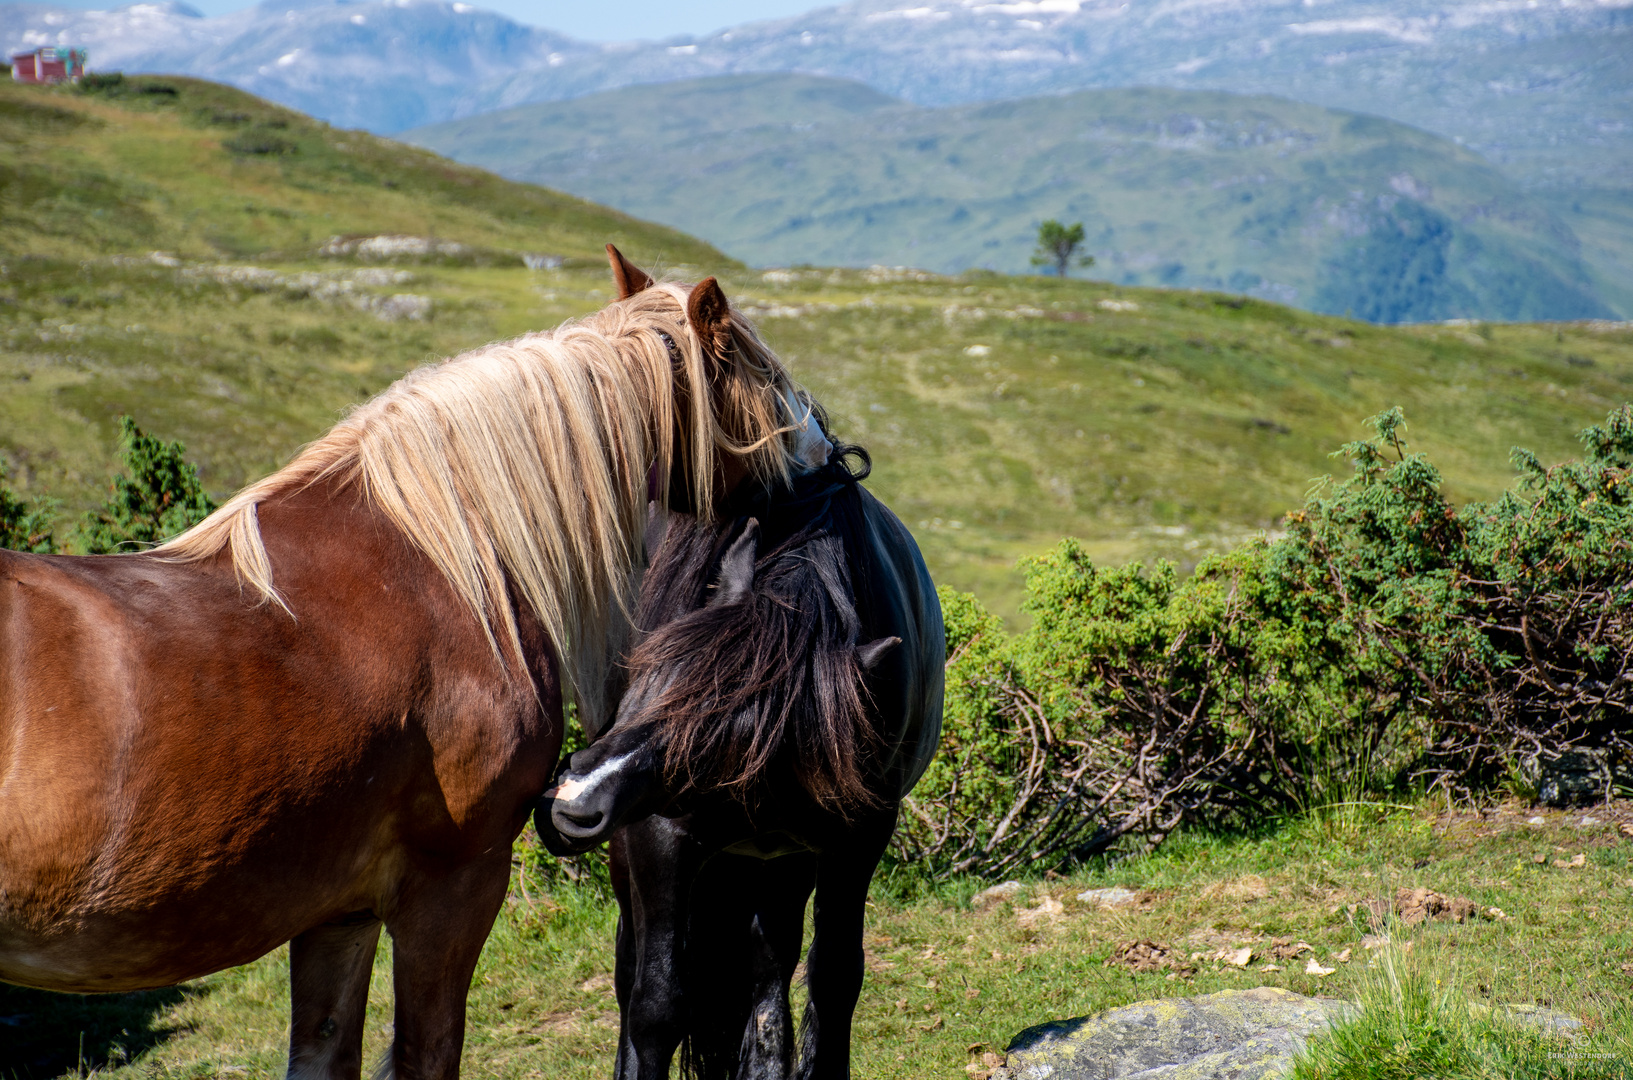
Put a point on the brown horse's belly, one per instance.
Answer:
(185, 785)
(148, 838)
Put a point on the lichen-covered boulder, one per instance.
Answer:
(1231, 1035)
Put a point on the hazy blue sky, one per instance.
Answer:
(610, 20)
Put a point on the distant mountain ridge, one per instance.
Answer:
(1331, 211)
(1541, 88)
(1521, 81)
(380, 66)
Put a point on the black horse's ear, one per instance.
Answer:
(710, 317)
(736, 578)
(874, 651)
(629, 278)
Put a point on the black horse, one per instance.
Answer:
(776, 713)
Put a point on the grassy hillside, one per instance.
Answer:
(1328, 210)
(203, 171)
(1002, 412)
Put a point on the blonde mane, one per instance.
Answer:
(520, 468)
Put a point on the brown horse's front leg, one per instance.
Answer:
(329, 968)
(437, 931)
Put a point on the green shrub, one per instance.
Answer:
(1389, 640)
(1501, 632)
(25, 526)
(1136, 702)
(102, 82)
(156, 497)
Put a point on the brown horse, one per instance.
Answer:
(331, 706)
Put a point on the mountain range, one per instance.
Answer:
(1328, 210)
(1541, 87)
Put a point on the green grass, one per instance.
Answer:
(204, 170)
(1412, 1024)
(1171, 430)
(943, 977)
(1003, 412)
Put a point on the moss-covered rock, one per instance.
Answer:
(1231, 1035)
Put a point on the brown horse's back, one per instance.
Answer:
(188, 779)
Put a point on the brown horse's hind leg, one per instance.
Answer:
(329, 969)
(437, 933)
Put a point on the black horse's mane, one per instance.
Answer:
(766, 679)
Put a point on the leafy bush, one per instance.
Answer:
(102, 82)
(158, 495)
(1136, 702)
(1504, 630)
(1388, 640)
(24, 526)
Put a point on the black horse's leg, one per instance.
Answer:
(329, 968)
(720, 963)
(778, 928)
(623, 959)
(658, 858)
(833, 969)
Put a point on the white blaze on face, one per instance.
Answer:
(571, 790)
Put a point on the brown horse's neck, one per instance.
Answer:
(330, 548)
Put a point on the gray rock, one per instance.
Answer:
(1575, 778)
(1231, 1035)
(1116, 896)
(1547, 1021)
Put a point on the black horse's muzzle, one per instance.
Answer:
(578, 812)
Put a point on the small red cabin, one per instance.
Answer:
(48, 64)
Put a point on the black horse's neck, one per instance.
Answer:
(785, 509)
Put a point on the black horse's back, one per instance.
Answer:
(896, 598)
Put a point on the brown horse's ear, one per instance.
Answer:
(710, 316)
(629, 278)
